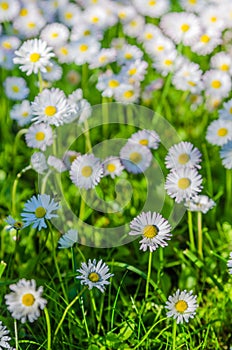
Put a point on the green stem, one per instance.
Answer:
(14, 189)
(84, 77)
(105, 117)
(82, 206)
(95, 310)
(148, 274)
(16, 335)
(174, 335)
(66, 310)
(148, 332)
(84, 317)
(199, 230)
(228, 189)
(161, 266)
(17, 138)
(40, 81)
(208, 170)
(88, 145)
(191, 235)
(49, 335)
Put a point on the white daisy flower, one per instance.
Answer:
(57, 163)
(104, 57)
(38, 162)
(181, 27)
(9, 43)
(33, 56)
(82, 109)
(85, 30)
(39, 209)
(207, 41)
(226, 155)
(86, 49)
(134, 27)
(16, 88)
(94, 274)
(136, 159)
(135, 71)
(222, 61)
(129, 53)
(226, 111)
(183, 184)
(183, 155)
(217, 83)
(148, 138)
(152, 8)
(51, 107)
(159, 46)
(108, 83)
(213, 18)
(154, 229)
(127, 93)
(4, 337)
(99, 16)
(86, 171)
(188, 77)
(219, 132)
(9, 9)
(65, 53)
(21, 112)
(29, 26)
(68, 239)
(39, 136)
(69, 157)
(25, 302)
(124, 12)
(16, 224)
(150, 32)
(112, 166)
(181, 306)
(229, 264)
(53, 73)
(168, 62)
(200, 203)
(212, 102)
(70, 14)
(55, 34)
(193, 5)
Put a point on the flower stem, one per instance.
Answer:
(199, 230)
(16, 335)
(40, 81)
(82, 206)
(191, 235)
(49, 336)
(228, 189)
(148, 274)
(174, 335)
(14, 188)
(66, 310)
(88, 145)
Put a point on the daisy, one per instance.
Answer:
(39, 209)
(168, 62)
(16, 224)
(226, 155)
(161, 45)
(39, 136)
(135, 71)
(57, 164)
(9, 9)
(29, 26)
(38, 162)
(99, 17)
(70, 14)
(68, 239)
(148, 138)
(55, 34)
(219, 132)
(82, 109)
(200, 203)
(193, 5)
(154, 229)
(94, 274)
(25, 302)
(222, 61)
(181, 27)
(51, 107)
(181, 306)
(128, 53)
(229, 264)
(86, 49)
(226, 111)
(69, 157)
(136, 159)
(85, 30)
(112, 166)
(108, 83)
(183, 155)
(134, 27)
(207, 41)
(104, 57)
(183, 184)
(86, 171)
(4, 337)
(65, 53)
(213, 18)
(53, 73)
(150, 32)
(217, 82)
(188, 77)
(152, 8)
(9, 43)
(16, 88)
(21, 112)
(127, 93)
(125, 13)
(33, 56)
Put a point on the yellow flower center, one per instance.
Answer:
(213, 19)
(49, 68)
(28, 299)
(150, 231)
(181, 306)
(121, 15)
(230, 110)
(23, 12)
(64, 51)
(4, 5)
(160, 48)
(149, 36)
(113, 83)
(83, 47)
(192, 2)
(152, 3)
(68, 15)
(183, 158)
(204, 38)
(34, 57)
(222, 132)
(18, 225)
(25, 114)
(128, 94)
(168, 62)
(31, 25)
(224, 67)
(135, 157)
(143, 142)
(191, 83)
(133, 23)
(94, 277)
(111, 167)
(15, 88)
(6, 45)
(50, 111)
(86, 171)
(102, 59)
(54, 35)
(132, 71)
(95, 19)
(185, 27)
(40, 136)
(128, 56)
(184, 183)
(87, 32)
(40, 212)
(216, 84)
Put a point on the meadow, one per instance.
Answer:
(115, 178)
